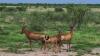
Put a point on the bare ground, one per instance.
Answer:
(38, 52)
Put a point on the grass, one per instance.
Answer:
(85, 39)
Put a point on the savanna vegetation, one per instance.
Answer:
(86, 35)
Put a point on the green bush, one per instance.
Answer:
(58, 9)
(22, 8)
(78, 13)
(10, 9)
(2, 8)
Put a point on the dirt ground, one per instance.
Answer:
(38, 52)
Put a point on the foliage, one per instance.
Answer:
(50, 23)
(2, 8)
(58, 9)
(22, 8)
(77, 13)
(9, 9)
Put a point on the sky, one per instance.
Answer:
(52, 1)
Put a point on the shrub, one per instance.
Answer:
(22, 8)
(2, 8)
(77, 13)
(58, 9)
(10, 9)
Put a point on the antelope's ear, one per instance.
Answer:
(47, 37)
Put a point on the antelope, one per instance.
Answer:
(68, 37)
(33, 36)
(54, 40)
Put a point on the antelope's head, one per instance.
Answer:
(23, 29)
(46, 37)
(72, 27)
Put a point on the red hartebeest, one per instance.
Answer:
(68, 37)
(55, 41)
(33, 36)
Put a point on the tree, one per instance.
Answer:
(77, 12)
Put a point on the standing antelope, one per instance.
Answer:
(54, 40)
(68, 37)
(33, 36)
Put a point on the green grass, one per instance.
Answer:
(84, 39)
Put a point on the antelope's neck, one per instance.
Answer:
(71, 32)
(27, 32)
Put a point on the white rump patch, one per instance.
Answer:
(62, 37)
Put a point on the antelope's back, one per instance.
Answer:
(36, 36)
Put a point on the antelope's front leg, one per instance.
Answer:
(55, 48)
(30, 42)
(59, 47)
(44, 47)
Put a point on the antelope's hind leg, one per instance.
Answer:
(68, 46)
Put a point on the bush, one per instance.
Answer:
(78, 13)
(10, 9)
(2, 8)
(37, 21)
(58, 9)
(22, 8)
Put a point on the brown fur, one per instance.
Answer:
(33, 36)
(68, 37)
(54, 40)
